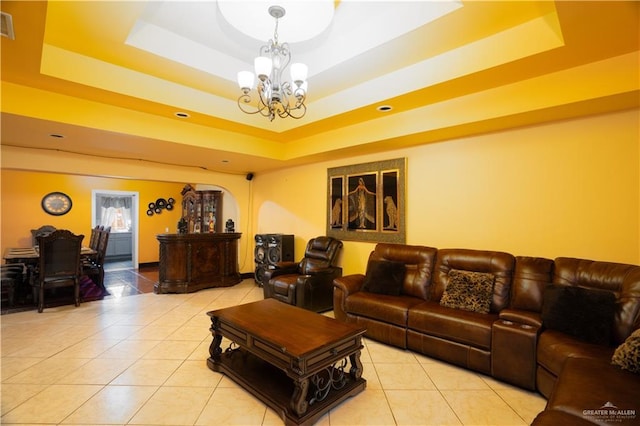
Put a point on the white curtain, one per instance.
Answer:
(109, 209)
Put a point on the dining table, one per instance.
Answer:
(30, 257)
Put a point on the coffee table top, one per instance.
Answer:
(296, 330)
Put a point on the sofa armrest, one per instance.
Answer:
(521, 316)
(349, 284)
(315, 291)
(281, 268)
(320, 276)
(514, 346)
(288, 267)
(342, 288)
(584, 384)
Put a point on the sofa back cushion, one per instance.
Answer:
(627, 355)
(621, 279)
(499, 264)
(469, 291)
(584, 313)
(384, 277)
(320, 254)
(418, 261)
(531, 276)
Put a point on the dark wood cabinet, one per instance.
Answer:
(191, 262)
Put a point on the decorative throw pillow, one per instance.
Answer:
(627, 355)
(584, 313)
(384, 277)
(470, 291)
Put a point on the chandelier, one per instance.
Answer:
(275, 97)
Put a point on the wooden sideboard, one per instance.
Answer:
(191, 262)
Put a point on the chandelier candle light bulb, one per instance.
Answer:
(246, 81)
(263, 67)
(275, 97)
(299, 73)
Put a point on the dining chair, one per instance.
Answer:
(12, 278)
(94, 266)
(41, 231)
(59, 264)
(94, 238)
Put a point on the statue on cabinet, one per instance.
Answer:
(212, 222)
(183, 226)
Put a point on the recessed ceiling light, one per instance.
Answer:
(225, 161)
(384, 108)
(182, 115)
(55, 135)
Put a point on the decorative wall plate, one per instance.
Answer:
(56, 203)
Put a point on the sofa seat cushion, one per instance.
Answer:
(465, 327)
(596, 391)
(385, 308)
(554, 347)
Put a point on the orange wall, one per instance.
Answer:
(29, 171)
(22, 192)
(569, 188)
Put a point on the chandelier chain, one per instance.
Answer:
(275, 33)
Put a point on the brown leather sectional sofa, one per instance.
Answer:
(510, 342)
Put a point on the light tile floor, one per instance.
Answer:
(141, 360)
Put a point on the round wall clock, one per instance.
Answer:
(56, 203)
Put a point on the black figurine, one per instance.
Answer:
(182, 226)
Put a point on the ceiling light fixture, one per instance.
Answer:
(275, 97)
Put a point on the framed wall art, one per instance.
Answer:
(365, 202)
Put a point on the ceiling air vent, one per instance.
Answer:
(6, 21)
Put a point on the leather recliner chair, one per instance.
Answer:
(308, 283)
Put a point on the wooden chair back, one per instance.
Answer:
(40, 232)
(59, 264)
(94, 238)
(102, 245)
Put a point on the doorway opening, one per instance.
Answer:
(119, 210)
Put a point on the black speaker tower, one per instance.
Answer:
(271, 249)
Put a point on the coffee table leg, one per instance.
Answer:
(356, 365)
(214, 348)
(299, 402)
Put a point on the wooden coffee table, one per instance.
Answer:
(293, 360)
